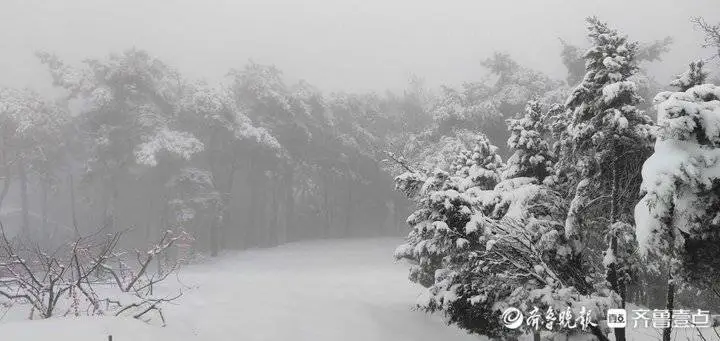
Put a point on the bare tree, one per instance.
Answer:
(712, 34)
(66, 278)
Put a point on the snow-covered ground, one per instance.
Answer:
(319, 291)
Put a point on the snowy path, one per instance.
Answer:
(316, 291)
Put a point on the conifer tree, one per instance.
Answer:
(531, 156)
(607, 135)
(696, 75)
(679, 216)
(474, 265)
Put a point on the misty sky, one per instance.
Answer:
(353, 45)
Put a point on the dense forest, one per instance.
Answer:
(517, 189)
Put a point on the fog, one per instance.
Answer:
(359, 170)
(353, 45)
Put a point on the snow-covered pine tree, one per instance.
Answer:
(696, 75)
(679, 216)
(439, 245)
(438, 224)
(475, 266)
(531, 156)
(443, 207)
(608, 136)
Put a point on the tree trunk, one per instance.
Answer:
(22, 172)
(6, 185)
(149, 218)
(348, 207)
(8, 172)
(326, 205)
(249, 239)
(399, 226)
(214, 233)
(110, 195)
(289, 203)
(114, 207)
(670, 304)
(670, 298)
(44, 212)
(613, 276)
(227, 200)
(73, 211)
(283, 203)
(261, 194)
(598, 333)
(273, 228)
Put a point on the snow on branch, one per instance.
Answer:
(64, 281)
(178, 143)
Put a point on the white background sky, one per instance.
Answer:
(351, 45)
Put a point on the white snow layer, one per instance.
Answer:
(88, 328)
(315, 291)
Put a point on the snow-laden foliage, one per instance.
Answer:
(696, 75)
(216, 109)
(483, 106)
(478, 166)
(606, 134)
(479, 245)
(32, 140)
(516, 198)
(263, 85)
(601, 139)
(193, 190)
(179, 143)
(603, 104)
(26, 115)
(516, 84)
(680, 212)
(442, 199)
(470, 103)
(441, 206)
(573, 57)
(531, 153)
(130, 102)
